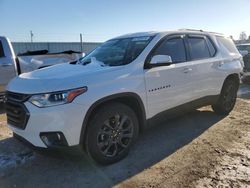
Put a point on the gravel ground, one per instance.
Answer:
(199, 149)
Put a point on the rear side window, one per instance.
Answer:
(198, 48)
(174, 48)
(211, 47)
(1, 50)
(227, 44)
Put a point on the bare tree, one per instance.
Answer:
(243, 35)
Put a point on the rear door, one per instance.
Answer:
(7, 65)
(202, 55)
(169, 86)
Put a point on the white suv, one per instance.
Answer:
(104, 100)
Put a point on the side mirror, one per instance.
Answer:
(160, 60)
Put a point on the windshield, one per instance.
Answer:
(117, 51)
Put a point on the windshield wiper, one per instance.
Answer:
(86, 62)
(95, 61)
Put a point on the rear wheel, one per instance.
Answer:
(227, 98)
(111, 132)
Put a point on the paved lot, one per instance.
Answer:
(197, 149)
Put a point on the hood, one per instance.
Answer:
(57, 78)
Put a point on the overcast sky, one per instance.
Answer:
(63, 20)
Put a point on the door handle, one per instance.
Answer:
(187, 70)
(220, 64)
(5, 64)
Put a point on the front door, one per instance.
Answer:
(171, 85)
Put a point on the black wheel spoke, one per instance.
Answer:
(111, 150)
(123, 120)
(108, 148)
(115, 150)
(122, 144)
(127, 135)
(115, 135)
(106, 132)
(117, 120)
(111, 132)
(127, 128)
(102, 144)
(107, 124)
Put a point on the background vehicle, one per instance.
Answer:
(244, 49)
(8, 69)
(11, 65)
(103, 101)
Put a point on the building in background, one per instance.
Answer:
(53, 47)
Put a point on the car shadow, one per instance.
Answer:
(154, 145)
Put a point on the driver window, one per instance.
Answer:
(174, 48)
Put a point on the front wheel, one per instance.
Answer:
(227, 98)
(111, 132)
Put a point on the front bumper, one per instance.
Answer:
(2, 96)
(67, 119)
(72, 150)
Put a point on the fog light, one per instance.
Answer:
(53, 139)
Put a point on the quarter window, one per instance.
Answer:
(174, 48)
(227, 44)
(211, 48)
(198, 48)
(1, 50)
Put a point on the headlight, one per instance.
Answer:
(56, 98)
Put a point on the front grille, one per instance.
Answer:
(18, 97)
(2, 97)
(17, 113)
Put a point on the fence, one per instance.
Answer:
(52, 47)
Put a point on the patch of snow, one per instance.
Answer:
(244, 91)
(15, 159)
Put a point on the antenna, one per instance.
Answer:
(81, 46)
(31, 36)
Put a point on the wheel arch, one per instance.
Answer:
(234, 76)
(132, 100)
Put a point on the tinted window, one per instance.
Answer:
(227, 44)
(198, 48)
(174, 48)
(211, 47)
(1, 50)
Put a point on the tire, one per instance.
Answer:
(227, 98)
(111, 132)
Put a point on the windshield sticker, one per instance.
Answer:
(140, 39)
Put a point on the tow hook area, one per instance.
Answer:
(54, 139)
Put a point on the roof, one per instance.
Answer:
(139, 34)
(245, 44)
(152, 33)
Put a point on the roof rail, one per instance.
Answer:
(200, 30)
(191, 30)
(214, 32)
